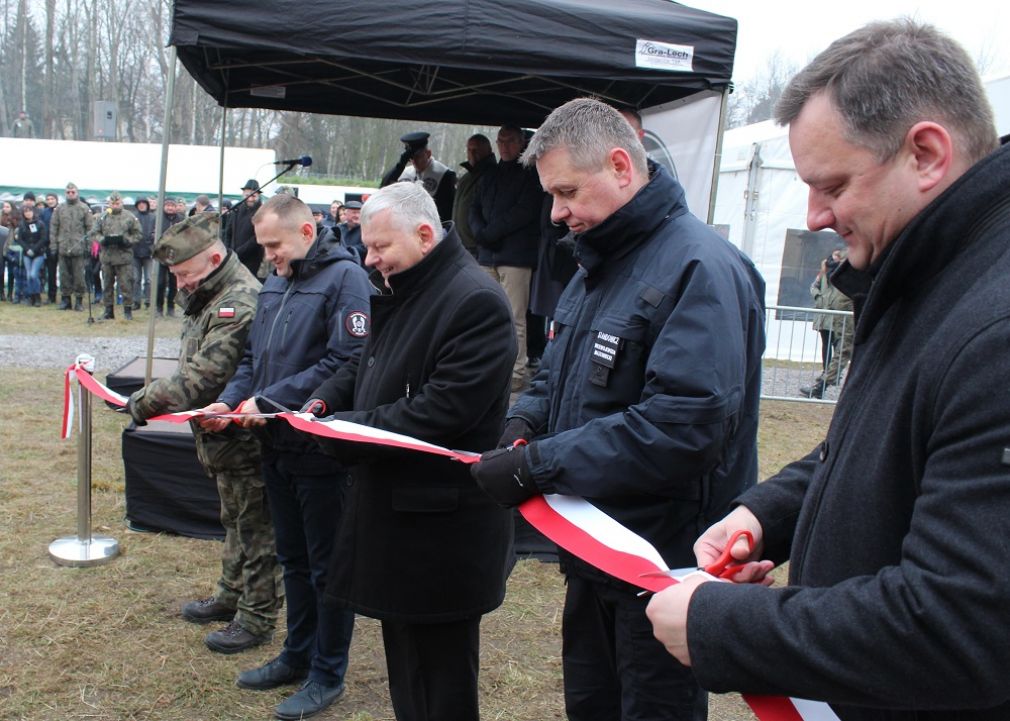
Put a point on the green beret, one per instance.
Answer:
(184, 240)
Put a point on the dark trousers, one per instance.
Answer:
(614, 668)
(306, 497)
(165, 293)
(433, 669)
(52, 262)
(825, 348)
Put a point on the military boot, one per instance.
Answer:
(233, 638)
(79, 305)
(206, 610)
(127, 311)
(814, 391)
(65, 303)
(110, 314)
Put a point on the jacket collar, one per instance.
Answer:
(425, 273)
(928, 244)
(660, 199)
(322, 252)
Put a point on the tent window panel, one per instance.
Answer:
(801, 259)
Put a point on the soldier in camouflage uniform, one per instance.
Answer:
(117, 232)
(68, 231)
(219, 296)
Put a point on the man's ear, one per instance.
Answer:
(619, 162)
(428, 237)
(931, 149)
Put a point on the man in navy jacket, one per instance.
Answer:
(311, 318)
(646, 402)
(898, 604)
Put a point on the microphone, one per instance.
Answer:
(303, 161)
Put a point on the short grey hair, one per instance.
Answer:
(409, 203)
(587, 129)
(887, 76)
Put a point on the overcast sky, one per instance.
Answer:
(800, 29)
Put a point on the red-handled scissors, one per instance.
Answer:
(726, 566)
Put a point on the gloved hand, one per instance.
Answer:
(504, 474)
(131, 408)
(516, 429)
(316, 407)
(405, 156)
(30, 253)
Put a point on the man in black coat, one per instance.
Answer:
(419, 546)
(504, 219)
(243, 235)
(898, 603)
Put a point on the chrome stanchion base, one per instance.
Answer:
(72, 551)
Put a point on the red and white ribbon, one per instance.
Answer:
(588, 533)
(571, 522)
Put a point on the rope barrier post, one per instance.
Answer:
(84, 549)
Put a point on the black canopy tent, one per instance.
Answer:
(466, 61)
(463, 61)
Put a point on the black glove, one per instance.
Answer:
(516, 429)
(405, 156)
(131, 408)
(504, 475)
(316, 407)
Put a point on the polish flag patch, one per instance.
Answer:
(225, 312)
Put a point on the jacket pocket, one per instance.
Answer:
(425, 499)
(615, 371)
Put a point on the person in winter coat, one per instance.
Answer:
(10, 259)
(898, 605)
(504, 219)
(219, 298)
(116, 232)
(835, 330)
(242, 238)
(33, 237)
(311, 319)
(479, 159)
(436, 366)
(68, 233)
(143, 262)
(646, 401)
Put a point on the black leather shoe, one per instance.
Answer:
(272, 674)
(207, 610)
(65, 303)
(127, 312)
(109, 314)
(79, 304)
(312, 698)
(234, 639)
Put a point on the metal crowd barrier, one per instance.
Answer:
(792, 359)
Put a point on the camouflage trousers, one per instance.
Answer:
(71, 269)
(251, 578)
(121, 273)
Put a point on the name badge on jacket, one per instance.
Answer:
(606, 346)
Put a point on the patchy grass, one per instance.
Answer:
(108, 643)
(47, 320)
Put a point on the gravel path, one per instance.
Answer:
(59, 351)
(50, 351)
